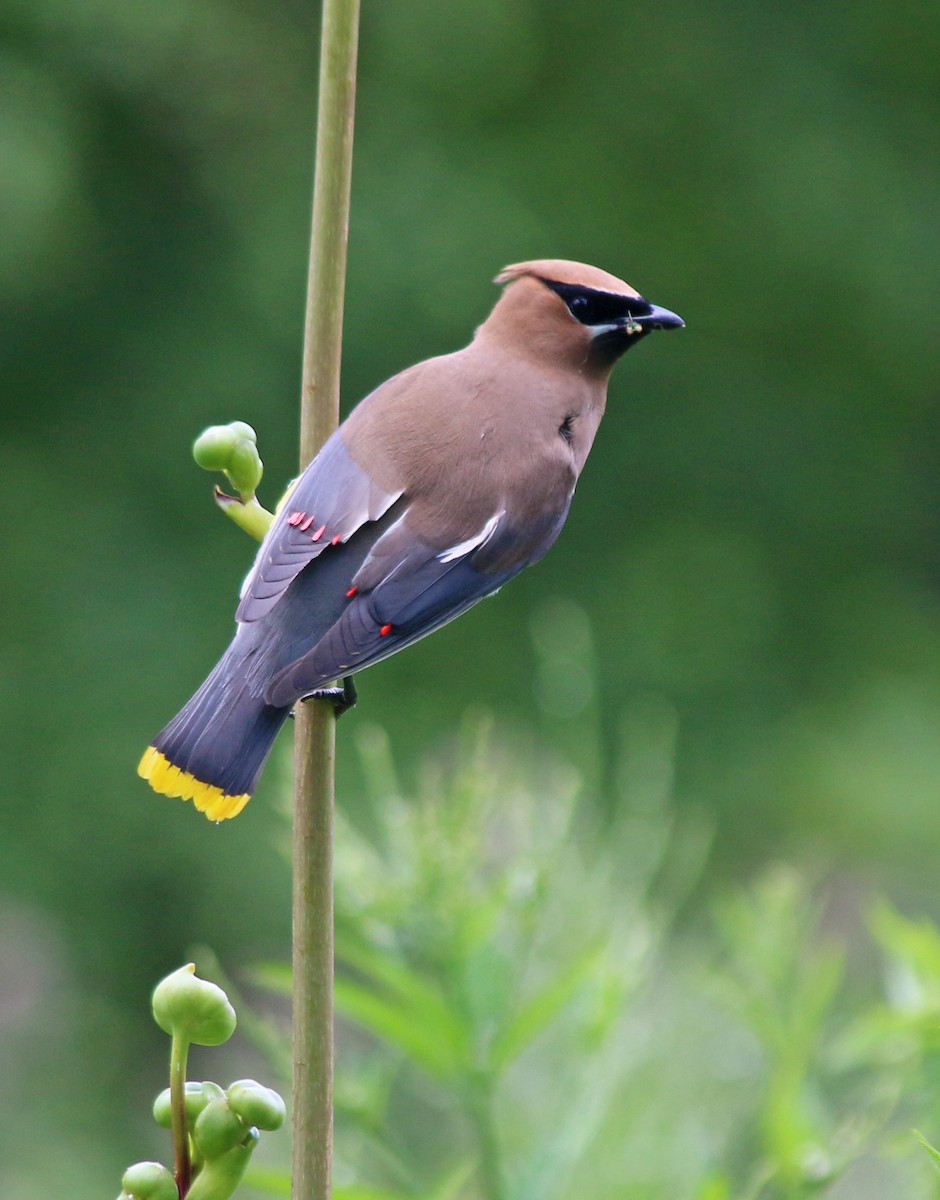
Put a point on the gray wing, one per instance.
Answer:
(331, 500)
(405, 589)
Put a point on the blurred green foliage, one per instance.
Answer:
(753, 547)
(524, 1018)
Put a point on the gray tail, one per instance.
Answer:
(213, 750)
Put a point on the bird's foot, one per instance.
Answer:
(342, 698)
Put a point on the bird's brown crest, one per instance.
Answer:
(562, 270)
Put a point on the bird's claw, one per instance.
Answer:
(342, 698)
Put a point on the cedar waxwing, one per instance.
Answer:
(439, 487)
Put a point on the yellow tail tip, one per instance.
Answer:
(171, 780)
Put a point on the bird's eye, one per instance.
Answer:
(581, 307)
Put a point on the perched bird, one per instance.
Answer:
(439, 487)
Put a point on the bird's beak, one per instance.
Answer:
(659, 318)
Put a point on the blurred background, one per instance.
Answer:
(754, 549)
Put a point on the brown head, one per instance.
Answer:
(570, 314)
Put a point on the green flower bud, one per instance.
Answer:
(198, 1096)
(245, 467)
(219, 1177)
(256, 1104)
(233, 449)
(193, 1009)
(218, 1129)
(243, 431)
(148, 1181)
(214, 446)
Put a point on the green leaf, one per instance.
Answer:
(429, 1044)
(931, 1150)
(394, 1004)
(377, 964)
(536, 1014)
(559, 1149)
(397, 1005)
(913, 948)
(275, 976)
(451, 1183)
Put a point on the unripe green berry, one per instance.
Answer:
(197, 1096)
(148, 1181)
(233, 449)
(193, 1009)
(256, 1104)
(212, 448)
(244, 467)
(218, 1129)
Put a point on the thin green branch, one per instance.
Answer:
(249, 515)
(315, 725)
(182, 1164)
(480, 1111)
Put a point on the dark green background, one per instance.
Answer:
(756, 539)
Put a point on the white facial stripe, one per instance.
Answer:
(630, 326)
(472, 543)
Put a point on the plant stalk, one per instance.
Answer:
(314, 737)
(480, 1110)
(182, 1165)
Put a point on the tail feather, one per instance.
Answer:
(213, 750)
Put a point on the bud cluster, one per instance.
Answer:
(215, 1129)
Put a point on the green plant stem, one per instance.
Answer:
(314, 744)
(248, 515)
(182, 1166)
(480, 1108)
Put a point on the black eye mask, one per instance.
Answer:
(593, 307)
